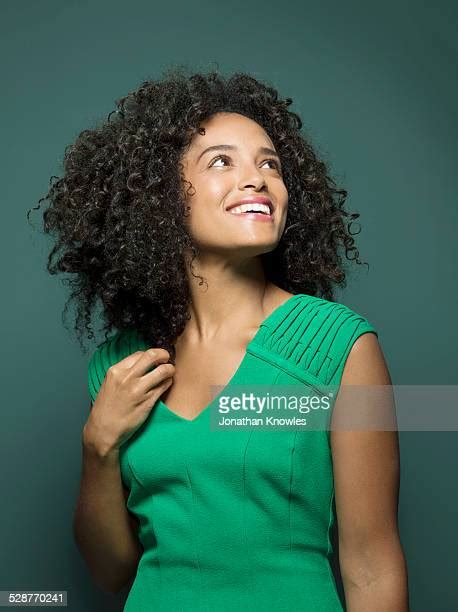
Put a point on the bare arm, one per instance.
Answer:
(104, 530)
(366, 475)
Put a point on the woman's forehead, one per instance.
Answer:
(229, 133)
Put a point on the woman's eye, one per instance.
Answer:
(274, 162)
(220, 157)
(225, 158)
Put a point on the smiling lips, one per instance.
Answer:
(254, 207)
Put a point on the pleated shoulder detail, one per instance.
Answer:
(313, 336)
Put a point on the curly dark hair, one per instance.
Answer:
(118, 210)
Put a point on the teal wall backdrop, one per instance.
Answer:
(376, 86)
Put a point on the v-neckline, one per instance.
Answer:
(204, 410)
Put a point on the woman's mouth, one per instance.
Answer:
(252, 216)
(254, 212)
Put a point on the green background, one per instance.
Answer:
(376, 86)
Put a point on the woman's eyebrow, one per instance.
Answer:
(265, 150)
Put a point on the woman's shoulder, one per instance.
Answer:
(118, 345)
(319, 305)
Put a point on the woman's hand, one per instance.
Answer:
(128, 392)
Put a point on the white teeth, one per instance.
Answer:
(254, 207)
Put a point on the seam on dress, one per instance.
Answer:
(194, 531)
(250, 565)
(330, 573)
(294, 371)
(135, 477)
(330, 516)
(134, 474)
(290, 489)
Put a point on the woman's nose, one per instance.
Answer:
(252, 178)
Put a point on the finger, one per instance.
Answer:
(131, 359)
(161, 374)
(148, 361)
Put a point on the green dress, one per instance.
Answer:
(238, 519)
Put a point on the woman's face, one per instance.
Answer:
(236, 167)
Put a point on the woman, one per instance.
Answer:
(206, 519)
